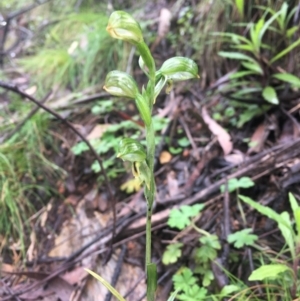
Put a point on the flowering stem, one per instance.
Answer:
(149, 194)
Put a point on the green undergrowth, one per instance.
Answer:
(76, 53)
(266, 274)
(260, 51)
(24, 172)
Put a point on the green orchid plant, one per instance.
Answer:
(123, 26)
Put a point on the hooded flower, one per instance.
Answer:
(123, 27)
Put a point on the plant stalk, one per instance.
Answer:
(149, 195)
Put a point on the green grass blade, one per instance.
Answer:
(285, 51)
(288, 78)
(268, 271)
(106, 284)
(270, 213)
(173, 296)
(236, 56)
(240, 7)
(296, 211)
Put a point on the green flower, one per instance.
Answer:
(131, 150)
(120, 83)
(134, 152)
(123, 27)
(178, 69)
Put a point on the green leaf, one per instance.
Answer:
(268, 271)
(205, 254)
(194, 293)
(229, 289)
(184, 142)
(207, 278)
(266, 211)
(267, 25)
(269, 94)
(242, 238)
(180, 218)
(172, 253)
(211, 241)
(255, 34)
(235, 38)
(289, 78)
(236, 56)
(250, 112)
(107, 285)
(79, 148)
(253, 67)
(240, 7)
(287, 233)
(173, 296)
(175, 151)
(245, 47)
(296, 211)
(282, 220)
(285, 51)
(184, 280)
(234, 184)
(239, 74)
(245, 182)
(291, 31)
(207, 251)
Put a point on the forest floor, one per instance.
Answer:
(201, 158)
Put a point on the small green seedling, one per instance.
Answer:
(234, 184)
(242, 238)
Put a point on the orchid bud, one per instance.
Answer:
(120, 83)
(131, 150)
(178, 69)
(122, 26)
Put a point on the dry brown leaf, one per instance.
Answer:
(222, 136)
(5, 267)
(75, 276)
(56, 289)
(98, 131)
(236, 158)
(165, 157)
(164, 22)
(44, 215)
(258, 138)
(290, 131)
(31, 90)
(163, 26)
(173, 187)
(31, 252)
